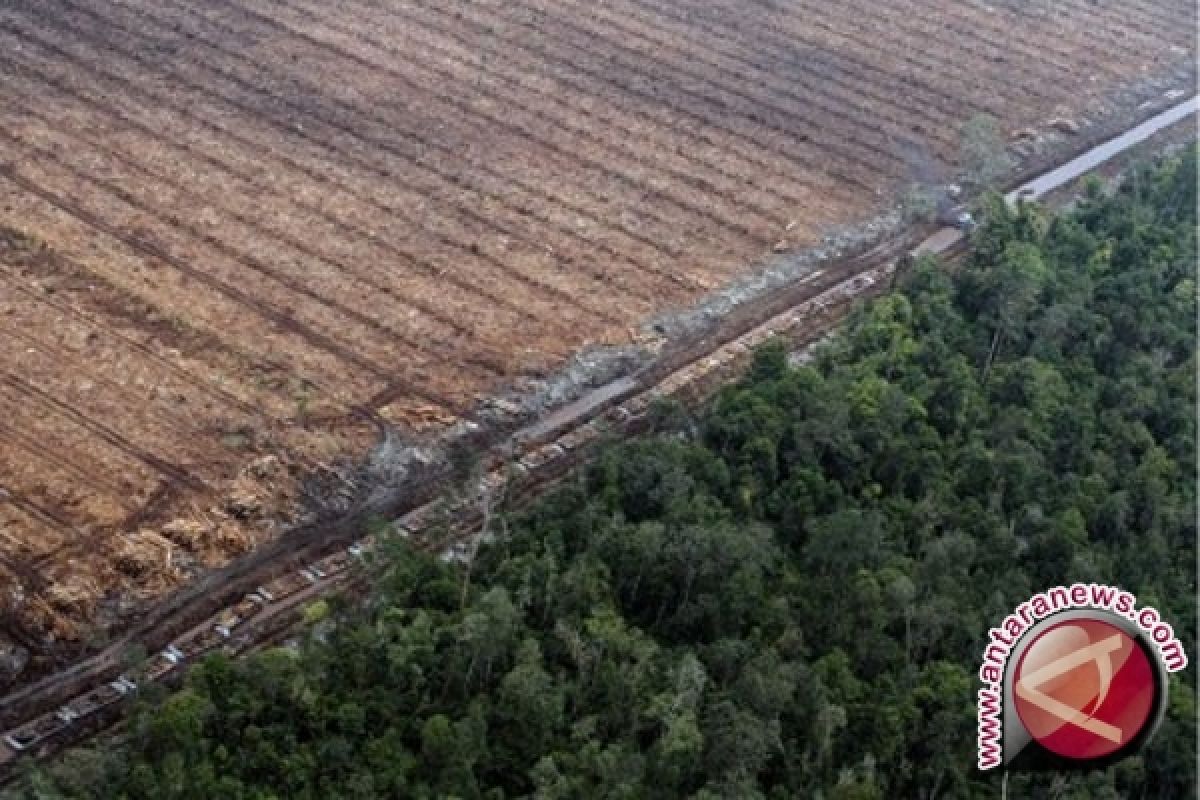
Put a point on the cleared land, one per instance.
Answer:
(250, 231)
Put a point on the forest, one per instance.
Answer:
(784, 594)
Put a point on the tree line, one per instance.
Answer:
(784, 595)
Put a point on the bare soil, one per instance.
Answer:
(238, 237)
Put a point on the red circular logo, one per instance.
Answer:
(1084, 689)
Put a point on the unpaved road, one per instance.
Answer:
(1086, 162)
(53, 691)
(274, 224)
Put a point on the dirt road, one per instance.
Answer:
(820, 305)
(1086, 162)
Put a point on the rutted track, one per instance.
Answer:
(248, 235)
(229, 614)
(190, 627)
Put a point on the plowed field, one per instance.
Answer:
(240, 234)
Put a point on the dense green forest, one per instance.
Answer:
(783, 596)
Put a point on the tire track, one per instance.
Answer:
(285, 319)
(72, 444)
(107, 434)
(839, 102)
(356, 132)
(474, 359)
(206, 386)
(260, 106)
(658, 34)
(515, 98)
(572, 85)
(44, 515)
(498, 123)
(318, 178)
(718, 111)
(88, 478)
(281, 320)
(135, 405)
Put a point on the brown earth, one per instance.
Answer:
(240, 235)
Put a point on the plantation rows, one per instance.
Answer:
(262, 228)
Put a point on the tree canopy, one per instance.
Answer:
(785, 597)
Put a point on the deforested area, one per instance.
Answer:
(238, 237)
(782, 596)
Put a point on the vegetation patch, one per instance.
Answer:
(786, 597)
